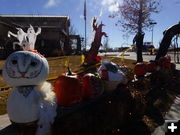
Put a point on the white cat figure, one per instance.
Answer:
(31, 35)
(32, 98)
(26, 40)
(21, 36)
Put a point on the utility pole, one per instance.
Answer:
(152, 23)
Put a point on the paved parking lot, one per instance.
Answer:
(132, 55)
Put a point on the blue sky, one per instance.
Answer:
(169, 15)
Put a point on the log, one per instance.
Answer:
(166, 41)
(98, 116)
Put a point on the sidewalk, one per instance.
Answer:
(173, 114)
(4, 121)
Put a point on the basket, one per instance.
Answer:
(110, 85)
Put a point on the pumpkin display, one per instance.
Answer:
(124, 69)
(112, 75)
(110, 71)
(127, 72)
(173, 66)
(151, 67)
(97, 58)
(168, 57)
(68, 89)
(92, 59)
(165, 62)
(140, 69)
(92, 86)
(104, 75)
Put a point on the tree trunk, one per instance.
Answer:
(139, 45)
(140, 35)
(166, 41)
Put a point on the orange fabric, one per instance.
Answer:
(35, 51)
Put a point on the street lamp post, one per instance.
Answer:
(152, 23)
(82, 40)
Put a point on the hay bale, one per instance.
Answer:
(98, 116)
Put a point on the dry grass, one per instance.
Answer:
(3, 101)
(57, 65)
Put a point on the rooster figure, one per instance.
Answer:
(91, 57)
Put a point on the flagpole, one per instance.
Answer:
(85, 35)
(85, 23)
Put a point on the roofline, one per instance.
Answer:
(56, 16)
(45, 16)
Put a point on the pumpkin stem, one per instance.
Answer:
(69, 71)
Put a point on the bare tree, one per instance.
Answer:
(135, 17)
(72, 42)
(106, 44)
(72, 30)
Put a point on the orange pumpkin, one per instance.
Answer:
(140, 69)
(164, 62)
(92, 86)
(151, 67)
(68, 90)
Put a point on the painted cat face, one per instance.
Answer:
(25, 68)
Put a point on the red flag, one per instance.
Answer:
(84, 9)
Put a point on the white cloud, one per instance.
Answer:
(107, 2)
(101, 13)
(51, 3)
(81, 16)
(111, 4)
(113, 8)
